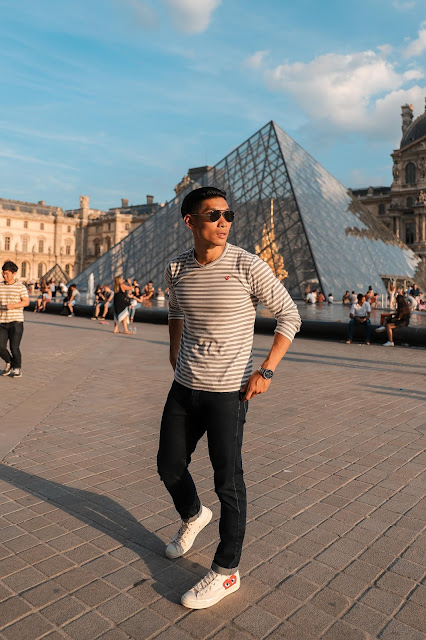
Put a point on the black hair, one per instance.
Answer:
(194, 198)
(360, 296)
(10, 266)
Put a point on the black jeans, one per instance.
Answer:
(187, 415)
(12, 332)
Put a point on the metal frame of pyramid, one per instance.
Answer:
(289, 210)
(56, 273)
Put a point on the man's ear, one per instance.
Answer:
(188, 221)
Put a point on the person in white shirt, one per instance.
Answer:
(330, 298)
(360, 315)
(13, 299)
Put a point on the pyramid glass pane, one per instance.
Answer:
(288, 209)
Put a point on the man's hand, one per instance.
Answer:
(173, 360)
(9, 306)
(255, 384)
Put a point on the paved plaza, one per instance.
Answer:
(335, 469)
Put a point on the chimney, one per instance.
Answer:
(124, 202)
(149, 199)
(42, 202)
(407, 116)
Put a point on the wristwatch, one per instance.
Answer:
(266, 373)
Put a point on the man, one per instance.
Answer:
(360, 315)
(214, 290)
(345, 297)
(311, 297)
(108, 298)
(13, 299)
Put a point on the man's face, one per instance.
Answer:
(361, 300)
(213, 234)
(8, 276)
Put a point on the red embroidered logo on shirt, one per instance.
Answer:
(227, 277)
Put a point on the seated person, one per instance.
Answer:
(391, 321)
(311, 297)
(71, 299)
(330, 298)
(346, 298)
(108, 295)
(360, 315)
(99, 299)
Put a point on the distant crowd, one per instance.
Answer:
(415, 298)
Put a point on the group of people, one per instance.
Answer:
(48, 291)
(317, 296)
(126, 297)
(371, 297)
(360, 316)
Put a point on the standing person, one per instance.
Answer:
(135, 300)
(13, 299)
(360, 314)
(52, 287)
(121, 304)
(214, 290)
(392, 293)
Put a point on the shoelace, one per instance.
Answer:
(206, 583)
(183, 530)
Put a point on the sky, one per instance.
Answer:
(119, 98)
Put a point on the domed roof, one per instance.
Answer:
(415, 131)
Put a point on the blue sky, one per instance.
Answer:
(118, 98)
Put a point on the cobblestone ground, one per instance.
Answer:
(335, 470)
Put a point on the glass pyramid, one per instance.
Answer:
(289, 210)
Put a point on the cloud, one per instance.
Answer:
(404, 5)
(416, 47)
(143, 14)
(256, 60)
(191, 16)
(358, 92)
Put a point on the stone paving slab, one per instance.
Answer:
(335, 468)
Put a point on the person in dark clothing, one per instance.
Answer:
(391, 321)
(121, 304)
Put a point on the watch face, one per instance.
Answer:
(266, 373)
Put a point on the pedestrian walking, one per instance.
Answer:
(214, 289)
(121, 304)
(13, 298)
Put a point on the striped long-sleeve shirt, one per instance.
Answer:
(217, 303)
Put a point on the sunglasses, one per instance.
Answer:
(215, 215)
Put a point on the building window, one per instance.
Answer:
(8, 222)
(69, 229)
(109, 226)
(382, 209)
(410, 201)
(409, 233)
(68, 269)
(24, 245)
(25, 272)
(127, 226)
(7, 243)
(25, 224)
(41, 246)
(68, 249)
(41, 269)
(41, 226)
(108, 243)
(410, 173)
(97, 246)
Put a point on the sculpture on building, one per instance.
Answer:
(84, 202)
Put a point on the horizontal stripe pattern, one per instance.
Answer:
(217, 303)
(12, 293)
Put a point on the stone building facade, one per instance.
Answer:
(402, 206)
(37, 236)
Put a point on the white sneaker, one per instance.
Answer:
(389, 344)
(380, 329)
(210, 590)
(17, 373)
(188, 531)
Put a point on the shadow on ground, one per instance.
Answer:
(109, 517)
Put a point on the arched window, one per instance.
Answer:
(68, 269)
(410, 201)
(410, 173)
(25, 270)
(382, 209)
(7, 243)
(41, 269)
